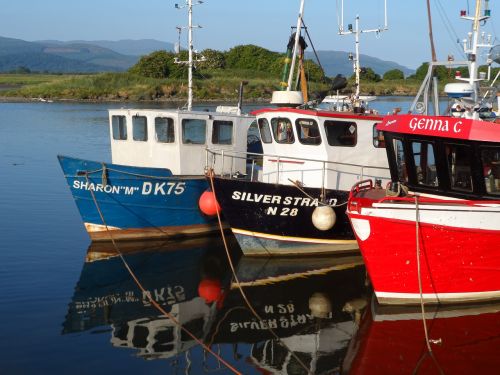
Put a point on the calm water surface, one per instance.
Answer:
(69, 306)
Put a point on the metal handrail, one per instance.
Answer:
(247, 155)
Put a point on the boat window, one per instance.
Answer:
(164, 129)
(459, 169)
(378, 137)
(308, 131)
(341, 133)
(222, 132)
(425, 163)
(194, 131)
(265, 132)
(399, 157)
(139, 128)
(490, 157)
(282, 130)
(119, 124)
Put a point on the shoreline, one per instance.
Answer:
(19, 99)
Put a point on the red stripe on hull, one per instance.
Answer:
(452, 260)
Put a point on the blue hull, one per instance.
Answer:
(125, 202)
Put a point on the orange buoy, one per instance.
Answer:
(210, 290)
(208, 204)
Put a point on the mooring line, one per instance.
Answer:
(422, 307)
(210, 174)
(319, 200)
(150, 298)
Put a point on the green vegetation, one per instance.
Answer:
(393, 74)
(157, 77)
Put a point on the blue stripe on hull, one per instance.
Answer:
(134, 197)
(259, 246)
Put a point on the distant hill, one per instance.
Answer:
(103, 56)
(125, 47)
(60, 57)
(337, 62)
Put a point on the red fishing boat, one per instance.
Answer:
(432, 235)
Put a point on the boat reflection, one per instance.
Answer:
(308, 303)
(170, 273)
(464, 339)
(315, 315)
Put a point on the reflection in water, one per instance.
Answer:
(169, 272)
(305, 303)
(314, 314)
(465, 339)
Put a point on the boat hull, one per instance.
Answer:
(458, 251)
(123, 202)
(274, 219)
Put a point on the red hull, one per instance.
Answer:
(456, 264)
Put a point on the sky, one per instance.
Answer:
(266, 23)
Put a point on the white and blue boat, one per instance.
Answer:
(151, 189)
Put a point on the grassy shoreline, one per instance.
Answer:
(123, 87)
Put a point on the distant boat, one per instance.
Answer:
(348, 102)
(153, 185)
(432, 235)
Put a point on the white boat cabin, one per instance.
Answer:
(320, 148)
(176, 139)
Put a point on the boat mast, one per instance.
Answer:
(356, 32)
(473, 43)
(296, 45)
(431, 37)
(191, 61)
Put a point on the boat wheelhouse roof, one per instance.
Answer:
(319, 113)
(221, 111)
(442, 126)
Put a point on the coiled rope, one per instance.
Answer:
(150, 298)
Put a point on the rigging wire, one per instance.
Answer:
(314, 49)
(449, 28)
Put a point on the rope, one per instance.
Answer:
(210, 174)
(311, 197)
(104, 169)
(422, 308)
(151, 300)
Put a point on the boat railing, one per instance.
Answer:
(286, 166)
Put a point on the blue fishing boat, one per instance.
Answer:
(153, 185)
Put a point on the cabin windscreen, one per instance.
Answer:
(164, 130)
(459, 158)
(490, 157)
(282, 130)
(222, 132)
(399, 157)
(341, 133)
(119, 126)
(378, 137)
(140, 128)
(265, 131)
(425, 163)
(194, 131)
(308, 131)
